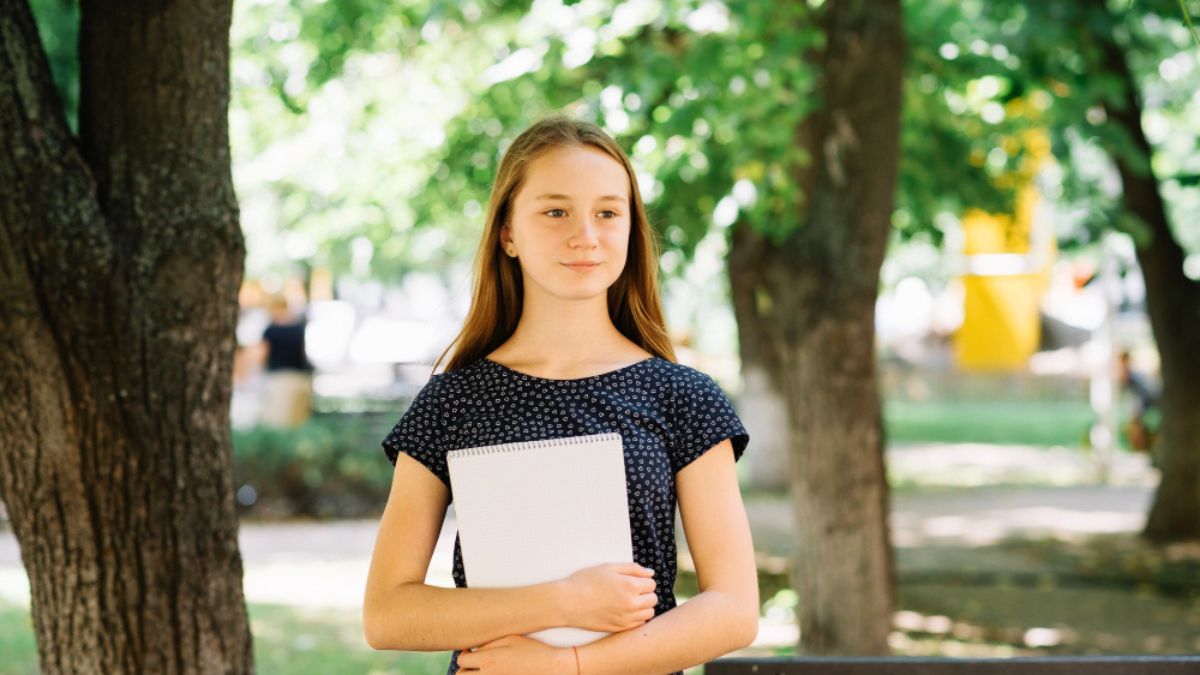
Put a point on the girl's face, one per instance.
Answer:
(573, 207)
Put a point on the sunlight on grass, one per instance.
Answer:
(286, 640)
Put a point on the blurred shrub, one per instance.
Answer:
(330, 467)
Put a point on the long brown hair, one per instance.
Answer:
(633, 300)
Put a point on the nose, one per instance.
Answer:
(586, 235)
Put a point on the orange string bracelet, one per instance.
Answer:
(576, 660)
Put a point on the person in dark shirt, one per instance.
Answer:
(287, 395)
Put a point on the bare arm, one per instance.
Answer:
(259, 352)
(723, 617)
(401, 612)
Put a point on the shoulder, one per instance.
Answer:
(439, 386)
(685, 379)
(702, 415)
(459, 377)
(449, 385)
(691, 390)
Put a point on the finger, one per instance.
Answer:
(637, 570)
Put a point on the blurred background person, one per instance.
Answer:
(287, 390)
(1141, 427)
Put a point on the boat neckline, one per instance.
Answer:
(605, 374)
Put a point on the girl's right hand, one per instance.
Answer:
(611, 597)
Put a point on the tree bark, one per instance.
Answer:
(806, 312)
(1173, 303)
(120, 260)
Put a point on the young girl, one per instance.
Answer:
(565, 337)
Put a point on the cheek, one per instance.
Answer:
(618, 235)
(618, 246)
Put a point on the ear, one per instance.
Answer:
(505, 238)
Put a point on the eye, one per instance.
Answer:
(553, 211)
(611, 213)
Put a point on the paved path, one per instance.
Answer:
(329, 560)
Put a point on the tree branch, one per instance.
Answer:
(1172, 294)
(52, 235)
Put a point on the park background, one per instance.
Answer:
(1001, 197)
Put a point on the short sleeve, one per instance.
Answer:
(419, 431)
(704, 417)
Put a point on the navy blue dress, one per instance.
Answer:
(667, 413)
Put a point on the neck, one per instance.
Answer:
(560, 333)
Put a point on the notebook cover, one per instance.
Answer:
(538, 511)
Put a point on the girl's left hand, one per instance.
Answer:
(516, 655)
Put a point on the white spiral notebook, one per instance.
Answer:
(537, 511)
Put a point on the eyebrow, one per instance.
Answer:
(565, 198)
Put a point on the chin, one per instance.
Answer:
(577, 291)
(582, 294)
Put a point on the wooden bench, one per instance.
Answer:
(1047, 665)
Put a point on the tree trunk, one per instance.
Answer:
(1173, 303)
(120, 260)
(807, 313)
(762, 404)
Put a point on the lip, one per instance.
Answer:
(583, 266)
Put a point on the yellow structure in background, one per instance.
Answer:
(1007, 270)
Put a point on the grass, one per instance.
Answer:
(1023, 422)
(286, 640)
(18, 650)
(1061, 621)
(1110, 594)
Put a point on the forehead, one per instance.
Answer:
(574, 171)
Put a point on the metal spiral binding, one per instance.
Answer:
(528, 445)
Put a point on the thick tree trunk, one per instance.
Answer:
(806, 309)
(1173, 303)
(120, 260)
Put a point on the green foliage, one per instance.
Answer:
(333, 34)
(697, 110)
(1056, 44)
(329, 467)
(952, 154)
(1187, 18)
(700, 108)
(353, 120)
(335, 109)
(58, 28)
